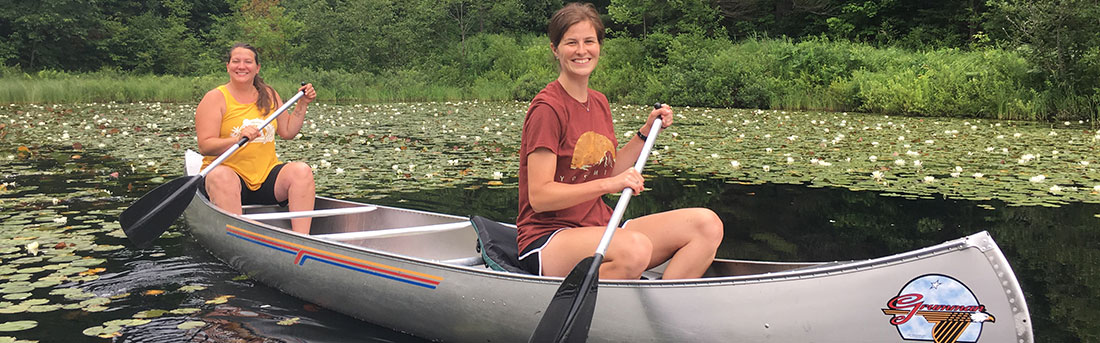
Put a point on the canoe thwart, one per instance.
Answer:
(348, 236)
(313, 213)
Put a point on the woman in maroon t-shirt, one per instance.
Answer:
(569, 158)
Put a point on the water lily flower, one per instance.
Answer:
(1084, 163)
(735, 164)
(912, 153)
(873, 158)
(1017, 135)
(899, 162)
(917, 163)
(769, 150)
(955, 174)
(1038, 178)
(1055, 189)
(713, 155)
(32, 248)
(497, 175)
(1096, 188)
(790, 160)
(929, 179)
(767, 168)
(339, 170)
(978, 175)
(877, 175)
(958, 169)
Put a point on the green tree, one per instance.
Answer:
(667, 16)
(52, 34)
(151, 42)
(1062, 38)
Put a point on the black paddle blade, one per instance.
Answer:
(151, 215)
(569, 315)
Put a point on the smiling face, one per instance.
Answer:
(579, 50)
(242, 65)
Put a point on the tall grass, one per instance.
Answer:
(813, 74)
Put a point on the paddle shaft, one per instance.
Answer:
(620, 207)
(605, 241)
(244, 140)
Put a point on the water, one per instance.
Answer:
(1054, 251)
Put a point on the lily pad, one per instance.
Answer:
(191, 324)
(18, 325)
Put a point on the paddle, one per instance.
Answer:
(569, 314)
(148, 217)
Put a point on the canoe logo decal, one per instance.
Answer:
(303, 253)
(937, 308)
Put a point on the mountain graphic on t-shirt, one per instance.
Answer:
(592, 149)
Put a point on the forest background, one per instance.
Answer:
(1006, 59)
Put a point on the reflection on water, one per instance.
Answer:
(1052, 250)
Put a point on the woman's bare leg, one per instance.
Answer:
(295, 184)
(687, 238)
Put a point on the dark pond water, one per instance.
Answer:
(1054, 251)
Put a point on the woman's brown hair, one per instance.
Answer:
(568, 16)
(263, 102)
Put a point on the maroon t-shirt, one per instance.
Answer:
(583, 138)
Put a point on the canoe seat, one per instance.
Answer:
(497, 244)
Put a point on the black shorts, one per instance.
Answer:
(263, 196)
(530, 259)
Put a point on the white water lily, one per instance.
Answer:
(1038, 178)
(713, 155)
(877, 175)
(978, 175)
(1096, 188)
(929, 179)
(339, 170)
(958, 169)
(917, 163)
(1017, 135)
(1055, 189)
(735, 164)
(1084, 163)
(912, 153)
(955, 174)
(497, 175)
(767, 168)
(899, 162)
(790, 160)
(32, 248)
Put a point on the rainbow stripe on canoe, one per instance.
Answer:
(303, 253)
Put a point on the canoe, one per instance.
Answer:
(421, 273)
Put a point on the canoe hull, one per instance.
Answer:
(405, 283)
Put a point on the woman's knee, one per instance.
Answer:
(708, 225)
(299, 172)
(631, 251)
(223, 178)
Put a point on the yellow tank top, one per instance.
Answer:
(255, 159)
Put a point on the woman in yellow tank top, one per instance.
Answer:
(253, 174)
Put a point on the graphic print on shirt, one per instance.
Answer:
(593, 153)
(266, 135)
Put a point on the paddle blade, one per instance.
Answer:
(569, 315)
(148, 217)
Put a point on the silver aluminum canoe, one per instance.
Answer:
(419, 273)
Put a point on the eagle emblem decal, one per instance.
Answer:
(937, 308)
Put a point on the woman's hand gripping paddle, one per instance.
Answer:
(148, 217)
(569, 314)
